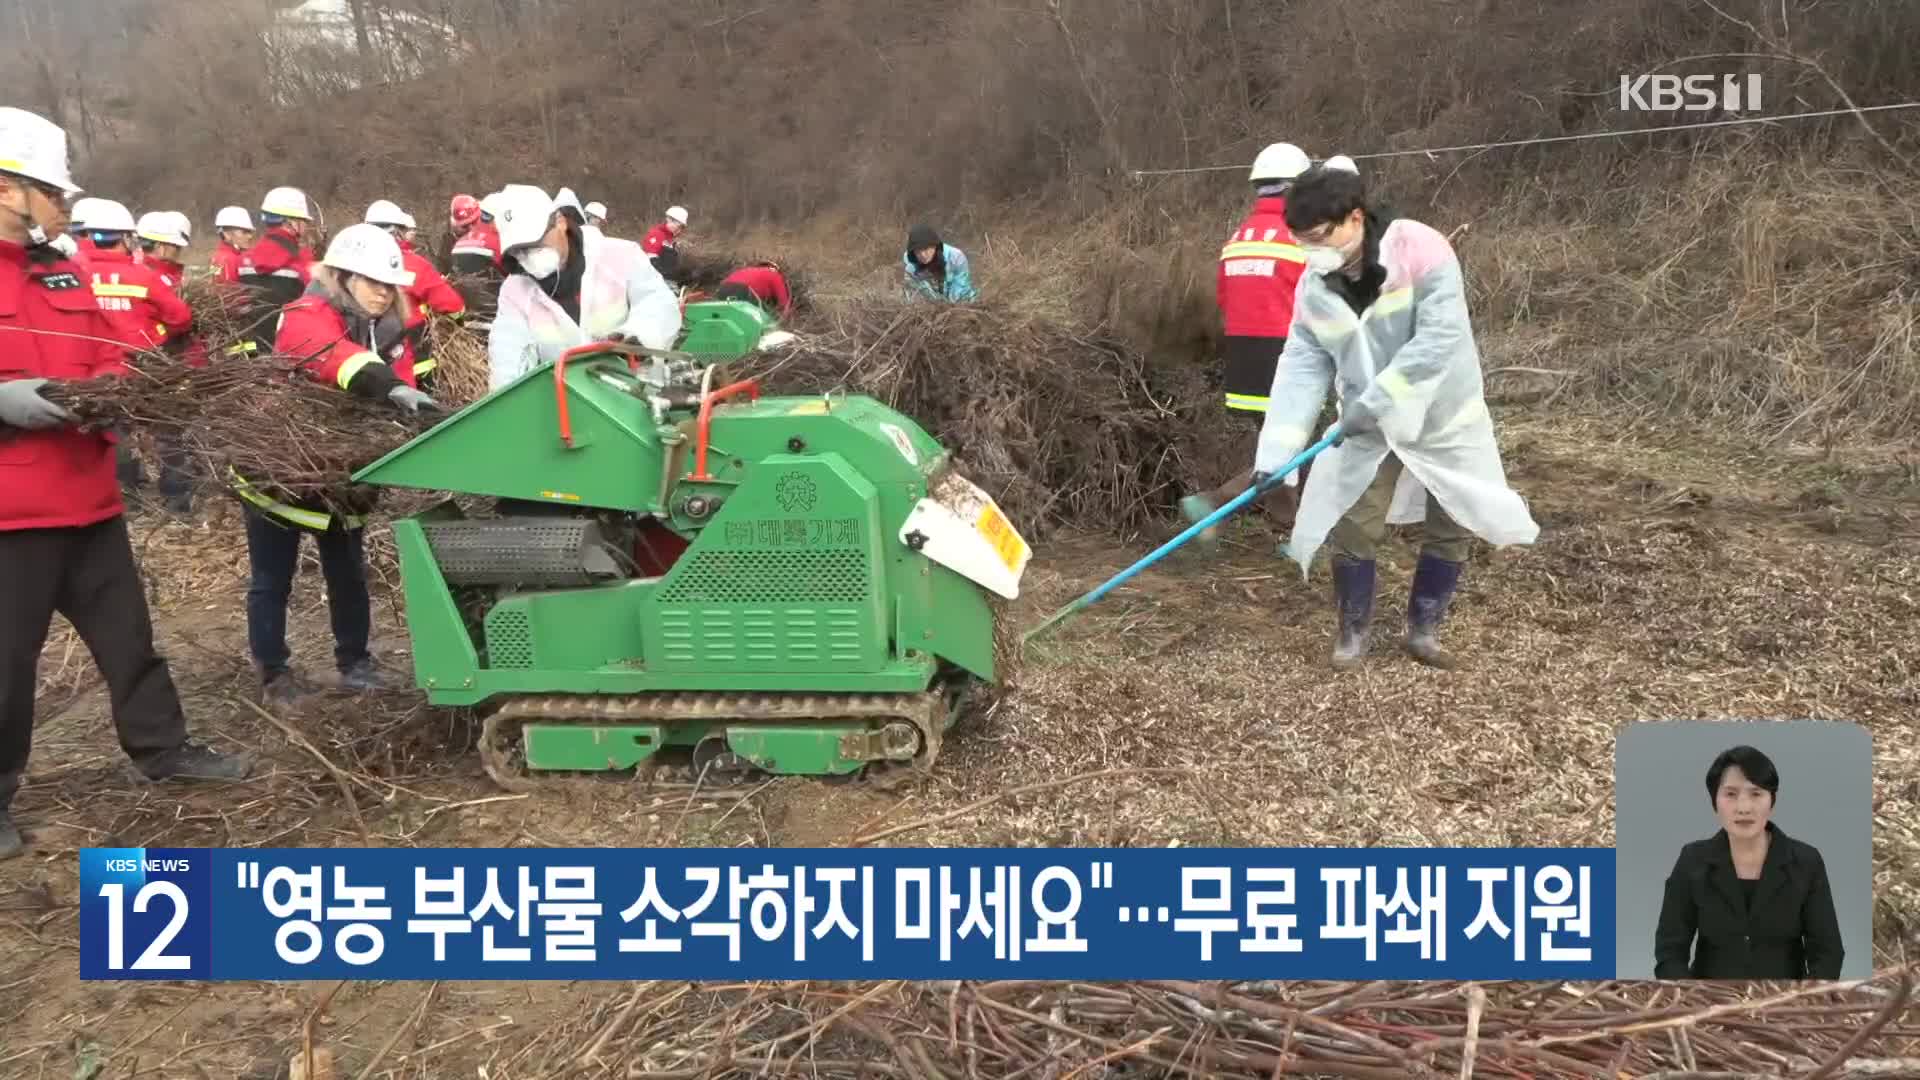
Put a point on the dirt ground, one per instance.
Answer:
(1672, 580)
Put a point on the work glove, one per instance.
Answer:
(1292, 480)
(1357, 419)
(21, 406)
(412, 400)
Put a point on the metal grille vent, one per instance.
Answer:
(770, 577)
(509, 640)
(555, 551)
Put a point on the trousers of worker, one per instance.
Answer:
(86, 573)
(1360, 531)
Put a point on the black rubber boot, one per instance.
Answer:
(11, 842)
(192, 761)
(1433, 583)
(1353, 589)
(366, 678)
(282, 688)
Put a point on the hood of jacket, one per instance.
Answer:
(925, 236)
(378, 335)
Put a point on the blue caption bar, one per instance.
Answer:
(833, 913)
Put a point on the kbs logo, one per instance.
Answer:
(1691, 93)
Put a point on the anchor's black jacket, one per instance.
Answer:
(1790, 933)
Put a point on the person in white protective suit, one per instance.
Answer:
(1381, 319)
(566, 288)
(569, 204)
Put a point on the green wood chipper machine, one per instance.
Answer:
(642, 564)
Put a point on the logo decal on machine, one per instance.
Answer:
(902, 443)
(796, 493)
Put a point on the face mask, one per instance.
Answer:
(1325, 260)
(541, 262)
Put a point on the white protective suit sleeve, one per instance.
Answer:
(1301, 381)
(510, 348)
(1400, 394)
(653, 311)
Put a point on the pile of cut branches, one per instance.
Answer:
(461, 368)
(1371, 1030)
(265, 420)
(1061, 425)
(221, 313)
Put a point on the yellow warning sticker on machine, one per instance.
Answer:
(809, 408)
(999, 532)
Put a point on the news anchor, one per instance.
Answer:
(1748, 902)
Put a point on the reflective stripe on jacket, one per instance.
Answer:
(305, 518)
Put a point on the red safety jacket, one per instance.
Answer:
(51, 328)
(226, 262)
(137, 298)
(191, 349)
(173, 273)
(659, 238)
(429, 291)
(279, 263)
(1260, 268)
(766, 284)
(312, 327)
(478, 249)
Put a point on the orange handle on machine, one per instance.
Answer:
(747, 386)
(560, 384)
(750, 387)
(560, 379)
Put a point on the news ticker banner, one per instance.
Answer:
(834, 913)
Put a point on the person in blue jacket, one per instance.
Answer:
(936, 269)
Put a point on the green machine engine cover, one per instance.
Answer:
(796, 578)
(723, 328)
(787, 577)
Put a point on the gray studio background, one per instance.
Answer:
(1660, 805)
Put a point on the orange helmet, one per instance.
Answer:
(465, 211)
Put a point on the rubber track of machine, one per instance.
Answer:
(500, 735)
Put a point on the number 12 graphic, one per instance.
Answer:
(154, 958)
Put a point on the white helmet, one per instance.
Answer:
(233, 217)
(677, 213)
(597, 209)
(566, 197)
(109, 216)
(1281, 161)
(1343, 163)
(161, 227)
(386, 213)
(36, 148)
(77, 214)
(522, 213)
(371, 252)
(184, 226)
(287, 202)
